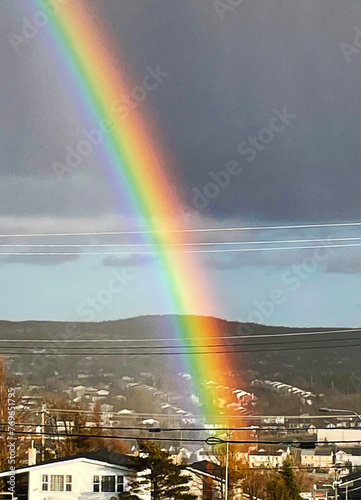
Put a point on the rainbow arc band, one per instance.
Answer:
(131, 159)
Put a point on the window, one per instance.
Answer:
(68, 483)
(44, 482)
(120, 484)
(56, 483)
(108, 484)
(96, 483)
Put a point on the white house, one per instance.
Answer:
(268, 458)
(321, 457)
(349, 454)
(339, 435)
(86, 476)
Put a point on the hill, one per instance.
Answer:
(321, 361)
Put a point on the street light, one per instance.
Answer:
(214, 440)
(338, 410)
(334, 487)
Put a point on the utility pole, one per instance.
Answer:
(336, 488)
(226, 486)
(43, 415)
(214, 440)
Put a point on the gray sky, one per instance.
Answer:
(231, 76)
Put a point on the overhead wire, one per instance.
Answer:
(190, 440)
(233, 417)
(177, 429)
(226, 337)
(157, 252)
(210, 346)
(179, 353)
(185, 230)
(181, 244)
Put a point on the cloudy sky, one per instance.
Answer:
(268, 88)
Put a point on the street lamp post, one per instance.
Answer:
(226, 486)
(214, 440)
(339, 410)
(334, 487)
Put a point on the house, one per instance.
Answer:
(268, 458)
(339, 436)
(79, 391)
(207, 480)
(92, 475)
(321, 457)
(350, 455)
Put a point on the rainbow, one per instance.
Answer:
(133, 159)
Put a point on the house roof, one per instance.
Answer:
(354, 476)
(308, 452)
(267, 452)
(352, 450)
(324, 451)
(104, 456)
(208, 468)
(321, 452)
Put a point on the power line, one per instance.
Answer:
(98, 436)
(211, 346)
(278, 468)
(233, 417)
(227, 337)
(201, 243)
(175, 429)
(179, 353)
(190, 440)
(198, 353)
(157, 252)
(198, 230)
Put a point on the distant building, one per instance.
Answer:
(350, 455)
(337, 435)
(321, 457)
(268, 457)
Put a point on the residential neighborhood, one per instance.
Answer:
(44, 467)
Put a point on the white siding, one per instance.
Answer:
(82, 473)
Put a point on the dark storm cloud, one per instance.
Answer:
(345, 261)
(77, 195)
(226, 78)
(38, 260)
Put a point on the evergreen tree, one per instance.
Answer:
(162, 476)
(284, 487)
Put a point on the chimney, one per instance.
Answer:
(32, 454)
